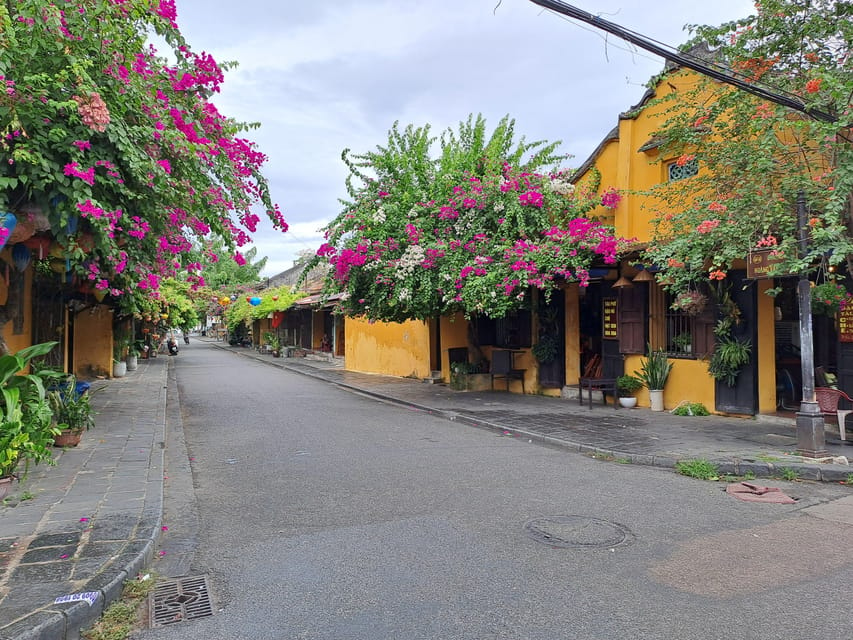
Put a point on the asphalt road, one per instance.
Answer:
(319, 513)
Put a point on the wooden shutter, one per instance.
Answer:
(632, 314)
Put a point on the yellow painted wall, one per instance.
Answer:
(454, 334)
(766, 350)
(688, 382)
(18, 341)
(93, 342)
(395, 349)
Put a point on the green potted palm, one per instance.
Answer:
(627, 386)
(72, 411)
(654, 371)
(274, 343)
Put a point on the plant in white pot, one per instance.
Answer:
(627, 386)
(654, 370)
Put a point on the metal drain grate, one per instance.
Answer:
(180, 599)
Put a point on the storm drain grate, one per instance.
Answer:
(578, 532)
(180, 599)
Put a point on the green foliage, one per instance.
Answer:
(124, 616)
(628, 385)
(789, 474)
(755, 156)
(72, 410)
(471, 230)
(654, 369)
(699, 468)
(276, 299)
(547, 349)
(26, 434)
(730, 356)
(272, 340)
(691, 409)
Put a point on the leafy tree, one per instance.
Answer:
(754, 155)
(220, 274)
(115, 149)
(470, 230)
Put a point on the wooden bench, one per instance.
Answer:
(605, 385)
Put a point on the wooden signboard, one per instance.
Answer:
(845, 324)
(609, 319)
(760, 262)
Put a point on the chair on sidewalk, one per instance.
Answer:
(503, 367)
(828, 400)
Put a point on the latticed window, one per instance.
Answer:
(681, 171)
(689, 334)
(679, 332)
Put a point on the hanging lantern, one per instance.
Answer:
(57, 265)
(248, 298)
(21, 257)
(224, 301)
(165, 316)
(254, 301)
(38, 243)
(56, 250)
(100, 294)
(275, 298)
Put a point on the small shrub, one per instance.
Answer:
(789, 474)
(691, 409)
(701, 469)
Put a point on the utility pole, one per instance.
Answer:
(810, 424)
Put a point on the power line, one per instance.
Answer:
(667, 52)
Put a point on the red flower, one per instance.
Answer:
(813, 86)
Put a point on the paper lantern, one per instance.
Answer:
(275, 298)
(254, 301)
(21, 257)
(248, 298)
(57, 265)
(100, 294)
(8, 221)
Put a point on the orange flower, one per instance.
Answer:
(814, 222)
(684, 159)
(813, 86)
(717, 275)
(672, 262)
(699, 121)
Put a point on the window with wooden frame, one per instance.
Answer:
(689, 335)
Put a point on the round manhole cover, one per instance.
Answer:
(578, 532)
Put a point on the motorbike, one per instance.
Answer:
(172, 346)
(186, 338)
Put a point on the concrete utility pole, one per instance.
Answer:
(810, 424)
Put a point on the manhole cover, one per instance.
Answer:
(577, 532)
(180, 599)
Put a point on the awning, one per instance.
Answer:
(318, 299)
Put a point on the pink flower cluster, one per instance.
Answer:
(93, 110)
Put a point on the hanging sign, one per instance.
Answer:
(759, 264)
(609, 319)
(845, 324)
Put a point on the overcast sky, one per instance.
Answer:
(321, 76)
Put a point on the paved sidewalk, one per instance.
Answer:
(94, 519)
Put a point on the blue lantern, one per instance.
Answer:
(21, 257)
(8, 221)
(254, 301)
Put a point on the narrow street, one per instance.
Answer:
(319, 513)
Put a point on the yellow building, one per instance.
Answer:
(604, 330)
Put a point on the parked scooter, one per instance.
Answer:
(172, 346)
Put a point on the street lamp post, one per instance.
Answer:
(811, 440)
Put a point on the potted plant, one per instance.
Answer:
(72, 411)
(26, 432)
(683, 342)
(119, 350)
(654, 370)
(133, 351)
(730, 356)
(547, 349)
(627, 386)
(274, 343)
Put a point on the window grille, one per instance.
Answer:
(680, 172)
(680, 332)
